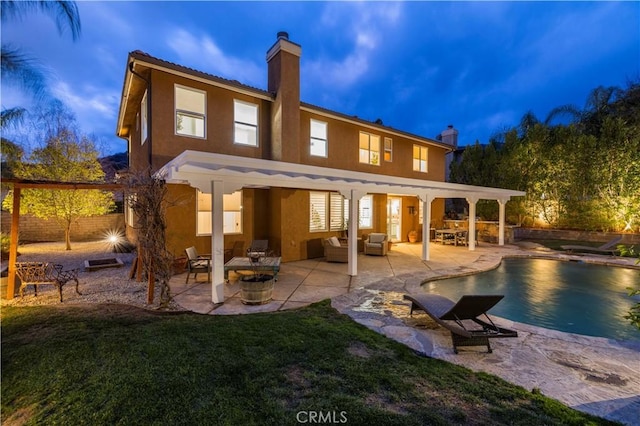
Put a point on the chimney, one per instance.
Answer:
(450, 136)
(283, 61)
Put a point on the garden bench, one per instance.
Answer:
(38, 273)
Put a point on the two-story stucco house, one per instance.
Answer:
(248, 163)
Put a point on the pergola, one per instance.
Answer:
(18, 185)
(219, 174)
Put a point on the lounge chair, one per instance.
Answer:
(606, 248)
(452, 316)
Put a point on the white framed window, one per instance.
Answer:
(190, 111)
(369, 148)
(420, 157)
(328, 211)
(388, 149)
(318, 210)
(245, 123)
(318, 140)
(129, 214)
(338, 212)
(366, 212)
(143, 119)
(232, 213)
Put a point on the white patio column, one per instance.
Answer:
(354, 200)
(426, 200)
(217, 241)
(472, 222)
(502, 203)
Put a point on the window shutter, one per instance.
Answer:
(317, 211)
(336, 223)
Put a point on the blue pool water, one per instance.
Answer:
(574, 297)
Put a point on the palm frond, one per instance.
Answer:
(26, 72)
(12, 117)
(65, 13)
(565, 110)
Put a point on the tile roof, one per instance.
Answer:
(143, 56)
(139, 54)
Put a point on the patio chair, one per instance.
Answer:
(236, 251)
(258, 248)
(334, 251)
(376, 244)
(197, 263)
(458, 317)
(606, 248)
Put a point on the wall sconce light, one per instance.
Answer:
(412, 210)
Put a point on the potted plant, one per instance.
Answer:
(413, 236)
(256, 288)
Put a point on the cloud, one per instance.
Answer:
(202, 53)
(95, 107)
(364, 26)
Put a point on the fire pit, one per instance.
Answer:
(93, 265)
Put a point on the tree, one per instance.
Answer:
(584, 175)
(147, 196)
(66, 157)
(16, 66)
(11, 154)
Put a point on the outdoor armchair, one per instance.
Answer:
(197, 263)
(376, 244)
(258, 248)
(334, 251)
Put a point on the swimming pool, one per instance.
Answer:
(574, 297)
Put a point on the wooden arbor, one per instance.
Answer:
(18, 185)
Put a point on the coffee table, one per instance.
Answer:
(266, 264)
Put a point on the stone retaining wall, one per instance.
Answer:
(561, 234)
(33, 229)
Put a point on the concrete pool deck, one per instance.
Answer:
(591, 374)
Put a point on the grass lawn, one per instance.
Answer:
(120, 365)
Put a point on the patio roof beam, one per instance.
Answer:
(40, 184)
(255, 171)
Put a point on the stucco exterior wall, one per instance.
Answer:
(280, 215)
(219, 136)
(343, 150)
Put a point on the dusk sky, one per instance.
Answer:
(418, 66)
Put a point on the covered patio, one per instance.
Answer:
(312, 280)
(219, 174)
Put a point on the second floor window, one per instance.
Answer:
(190, 112)
(318, 138)
(369, 148)
(388, 149)
(143, 119)
(420, 154)
(245, 117)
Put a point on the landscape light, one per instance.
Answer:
(114, 239)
